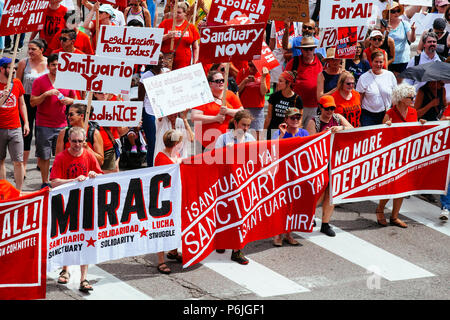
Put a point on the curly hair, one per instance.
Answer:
(401, 92)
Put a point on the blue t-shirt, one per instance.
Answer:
(402, 49)
(300, 133)
(296, 42)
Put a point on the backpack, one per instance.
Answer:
(297, 60)
(92, 125)
(417, 59)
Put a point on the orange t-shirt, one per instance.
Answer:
(7, 191)
(9, 111)
(350, 109)
(82, 42)
(75, 51)
(183, 53)
(251, 96)
(212, 109)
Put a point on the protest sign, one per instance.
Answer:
(222, 11)
(178, 90)
(332, 37)
(23, 247)
(91, 73)
(121, 3)
(389, 162)
(21, 16)
(279, 32)
(292, 10)
(114, 216)
(231, 43)
(425, 3)
(141, 45)
(345, 13)
(267, 60)
(271, 191)
(424, 22)
(115, 113)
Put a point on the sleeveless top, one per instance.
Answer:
(330, 81)
(433, 113)
(29, 75)
(322, 126)
(136, 16)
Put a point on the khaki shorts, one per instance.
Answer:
(13, 140)
(109, 162)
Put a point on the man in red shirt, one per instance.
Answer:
(309, 67)
(67, 40)
(10, 129)
(77, 163)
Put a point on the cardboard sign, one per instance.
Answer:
(115, 113)
(292, 10)
(344, 13)
(222, 11)
(114, 216)
(21, 16)
(92, 73)
(23, 247)
(231, 43)
(178, 90)
(142, 45)
(381, 162)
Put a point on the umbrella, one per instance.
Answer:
(431, 71)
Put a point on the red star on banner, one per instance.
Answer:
(143, 232)
(91, 242)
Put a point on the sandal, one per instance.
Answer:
(85, 286)
(163, 268)
(381, 220)
(397, 222)
(64, 277)
(176, 256)
(291, 241)
(277, 242)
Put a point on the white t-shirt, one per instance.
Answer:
(377, 90)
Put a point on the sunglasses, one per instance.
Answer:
(329, 108)
(307, 27)
(350, 83)
(308, 49)
(76, 140)
(412, 98)
(63, 39)
(71, 114)
(218, 81)
(298, 117)
(377, 39)
(396, 11)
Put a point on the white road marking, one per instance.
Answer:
(255, 277)
(365, 254)
(106, 286)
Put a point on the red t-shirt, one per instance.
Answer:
(162, 159)
(53, 23)
(306, 81)
(350, 109)
(67, 166)
(107, 143)
(251, 96)
(7, 191)
(212, 109)
(183, 54)
(395, 115)
(77, 51)
(9, 111)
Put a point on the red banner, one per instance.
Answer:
(21, 16)
(222, 11)
(389, 162)
(258, 190)
(231, 43)
(23, 247)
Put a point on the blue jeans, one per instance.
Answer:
(445, 199)
(149, 126)
(371, 118)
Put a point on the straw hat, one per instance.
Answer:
(331, 54)
(389, 8)
(307, 42)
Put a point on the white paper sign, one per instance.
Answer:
(142, 45)
(115, 113)
(345, 13)
(425, 3)
(91, 73)
(424, 22)
(178, 90)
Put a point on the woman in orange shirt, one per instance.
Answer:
(347, 99)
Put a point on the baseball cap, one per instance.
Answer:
(375, 33)
(327, 101)
(292, 111)
(5, 60)
(108, 9)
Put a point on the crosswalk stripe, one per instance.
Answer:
(106, 286)
(423, 212)
(366, 255)
(254, 276)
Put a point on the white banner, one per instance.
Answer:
(178, 90)
(114, 216)
(115, 113)
(142, 45)
(92, 73)
(345, 13)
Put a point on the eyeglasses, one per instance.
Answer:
(63, 39)
(77, 140)
(298, 117)
(307, 27)
(396, 11)
(71, 114)
(218, 81)
(329, 108)
(350, 83)
(377, 39)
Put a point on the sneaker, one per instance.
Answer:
(133, 149)
(239, 257)
(220, 250)
(444, 214)
(325, 228)
(143, 149)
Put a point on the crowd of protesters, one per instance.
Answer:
(311, 91)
